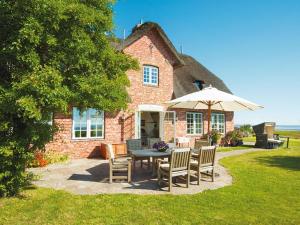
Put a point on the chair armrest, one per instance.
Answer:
(122, 156)
(161, 161)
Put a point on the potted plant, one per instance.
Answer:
(161, 146)
(215, 137)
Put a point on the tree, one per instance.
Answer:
(53, 54)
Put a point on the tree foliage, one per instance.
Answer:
(53, 54)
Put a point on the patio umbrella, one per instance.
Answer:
(211, 98)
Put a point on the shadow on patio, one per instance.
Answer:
(141, 177)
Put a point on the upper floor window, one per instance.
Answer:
(150, 75)
(88, 123)
(199, 84)
(218, 122)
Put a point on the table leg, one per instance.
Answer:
(153, 166)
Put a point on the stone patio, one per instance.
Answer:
(90, 176)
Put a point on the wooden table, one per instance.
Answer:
(151, 153)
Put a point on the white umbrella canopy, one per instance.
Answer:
(211, 98)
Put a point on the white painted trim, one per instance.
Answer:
(194, 123)
(88, 129)
(137, 123)
(150, 108)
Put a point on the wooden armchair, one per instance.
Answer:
(204, 162)
(118, 165)
(179, 166)
(136, 144)
(201, 142)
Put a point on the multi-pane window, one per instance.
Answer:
(194, 123)
(150, 75)
(218, 122)
(88, 123)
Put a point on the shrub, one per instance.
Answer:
(233, 138)
(42, 159)
(246, 130)
(13, 177)
(55, 157)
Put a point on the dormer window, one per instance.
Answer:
(199, 84)
(150, 75)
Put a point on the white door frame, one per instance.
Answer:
(174, 120)
(153, 108)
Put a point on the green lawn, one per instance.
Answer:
(266, 190)
(228, 149)
(290, 133)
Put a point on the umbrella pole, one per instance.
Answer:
(208, 122)
(209, 116)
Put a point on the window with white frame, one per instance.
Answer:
(194, 123)
(88, 123)
(218, 122)
(150, 75)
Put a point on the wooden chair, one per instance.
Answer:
(179, 166)
(204, 162)
(136, 144)
(118, 165)
(200, 142)
(183, 142)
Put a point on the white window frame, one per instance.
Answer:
(218, 122)
(151, 69)
(88, 124)
(194, 123)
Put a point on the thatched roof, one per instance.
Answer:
(139, 30)
(185, 76)
(186, 69)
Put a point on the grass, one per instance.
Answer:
(291, 133)
(228, 149)
(266, 190)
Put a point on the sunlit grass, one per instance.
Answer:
(265, 191)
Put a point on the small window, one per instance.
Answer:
(150, 75)
(218, 122)
(199, 84)
(194, 123)
(88, 123)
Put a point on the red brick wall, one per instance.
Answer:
(150, 50)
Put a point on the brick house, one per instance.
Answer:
(164, 74)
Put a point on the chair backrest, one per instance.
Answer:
(152, 141)
(207, 155)
(199, 143)
(110, 151)
(134, 144)
(180, 159)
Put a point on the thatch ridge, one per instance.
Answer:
(139, 30)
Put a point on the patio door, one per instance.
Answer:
(168, 126)
(137, 124)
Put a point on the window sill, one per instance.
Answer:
(151, 85)
(87, 139)
(191, 135)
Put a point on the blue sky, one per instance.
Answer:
(254, 46)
